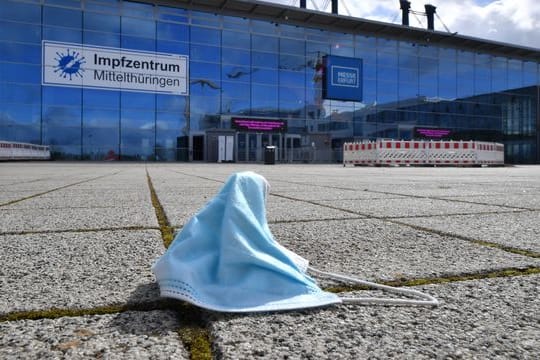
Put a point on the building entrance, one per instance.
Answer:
(250, 146)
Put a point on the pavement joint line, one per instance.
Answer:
(196, 335)
(167, 231)
(126, 228)
(484, 243)
(56, 189)
(445, 279)
(410, 195)
(193, 316)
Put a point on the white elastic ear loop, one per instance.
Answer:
(428, 300)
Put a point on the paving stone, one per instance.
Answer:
(526, 200)
(77, 270)
(373, 249)
(128, 335)
(484, 319)
(519, 230)
(31, 220)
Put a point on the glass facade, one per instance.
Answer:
(251, 68)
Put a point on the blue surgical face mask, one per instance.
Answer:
(226, 259)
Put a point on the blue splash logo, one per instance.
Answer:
(69, 64)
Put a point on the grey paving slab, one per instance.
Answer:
(374, 249)
(9, 196)
(331, 194)
(77, 270)
(128, 335)
(29, 220)
(80, 199)
(520, 230)
(401, 207)
(484, 319)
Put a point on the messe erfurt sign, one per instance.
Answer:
(258, 125)
(342, 78)
(78, 65)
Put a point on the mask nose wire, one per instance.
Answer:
(427, 300)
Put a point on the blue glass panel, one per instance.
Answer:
(264, 76)
(19, 132)
(60, 34)
(230, 22)
(465, 79)
(62, 17)
(262, 59)
(264, 43)
(101, 39)
(515, 74)
(171, 31)
(387, 94)
(292, 63)
(236, 73)
(205, 71)
(102, 22)
(205, 53)
(101, 118)
(292, 95)
(530, 73)
(136, 100)
(137, 9)
(173, 47)
(264, 94)
(57, 95)
(290, 46)
(137, 43)
(176, 104)
(16, 52)
(499, 74)
(235, 56)
(342, 50)
(386, 45)
(107, 7)
(138, 27)
(20, 93)
(428, 77)
(204, 87)
(21, 73)
(205, 18)
(236, 39)
(201, 35)
(235, 105)
(16, 11)
(13, 114)
(172, 14)
(292, 78)
(67, 3)
(385, 73)
(101, 98)
(264, 27)
(12, 31)
(236, 90)
(204, 104)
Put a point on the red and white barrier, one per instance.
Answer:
(23, 151)
(418, 152)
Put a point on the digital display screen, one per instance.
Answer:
(259, 125)
(432, 133)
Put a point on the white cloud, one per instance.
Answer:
(510, 21)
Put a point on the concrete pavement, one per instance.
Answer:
(77, 242)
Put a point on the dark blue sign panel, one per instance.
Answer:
(342, 78)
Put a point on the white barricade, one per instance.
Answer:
(22, 151)
(418, 152)
(361, 153)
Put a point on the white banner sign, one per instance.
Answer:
(67, 64)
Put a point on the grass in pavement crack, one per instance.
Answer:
(167, 231)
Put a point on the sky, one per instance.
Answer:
(509, 21)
